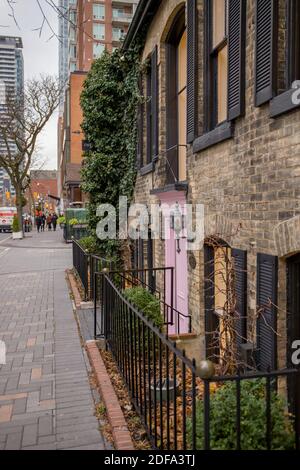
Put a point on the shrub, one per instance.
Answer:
(16, 224)
(146, 303)
(73, 221)
(89, 243)
(253, 419)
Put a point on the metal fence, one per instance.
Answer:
(81, 264)
(177, 407)
(86, 265)
(159, 282)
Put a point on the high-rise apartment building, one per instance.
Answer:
(11, 81)
(101, 25)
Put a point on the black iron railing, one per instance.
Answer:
(81, 265)
(160, 282)
(86, 265)
(174, 403)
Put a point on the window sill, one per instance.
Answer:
(283, 103)
(145, 170)
(217, 135)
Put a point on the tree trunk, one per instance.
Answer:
(19, 205)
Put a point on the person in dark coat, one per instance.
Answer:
(54, 221)
(38, 222)
(43, 221)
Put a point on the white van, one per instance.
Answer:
(6, 218)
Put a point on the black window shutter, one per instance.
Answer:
(211, 321)
(265, 50)
(267, 278)
(140, 128)
(240, 267)
(154, 102)
(236, 57)
(191, 69)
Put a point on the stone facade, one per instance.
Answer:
(249, 184)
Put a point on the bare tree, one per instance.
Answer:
(22, 120)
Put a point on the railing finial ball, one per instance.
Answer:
(205, 369)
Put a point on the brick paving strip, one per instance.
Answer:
(45, 396)
(121, 434)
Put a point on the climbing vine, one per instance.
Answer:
(109, 102)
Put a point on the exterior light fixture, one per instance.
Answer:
(177, 225)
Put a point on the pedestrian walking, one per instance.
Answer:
(38, 222)
(54, 221)
(49, 222)
(43, 221)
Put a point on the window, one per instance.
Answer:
(72, 51)
(118, 34)
(98, 11)
(149, 87)
(218, 57)
(72, 67)
(98, 48)
(98, 31)
(72, 33)
(149, 117)
(294, 41)
(181, 98)
(225, 295)
(277, 58)
(118, 12)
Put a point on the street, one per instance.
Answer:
(45, 396)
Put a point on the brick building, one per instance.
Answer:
(101, 25)
(219, 128)
(42, 191)
(87, 28)
(71, 141)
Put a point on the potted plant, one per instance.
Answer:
(17, 233)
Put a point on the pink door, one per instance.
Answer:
(176, 256)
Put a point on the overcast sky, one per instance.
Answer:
(40, 56)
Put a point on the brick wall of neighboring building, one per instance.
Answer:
(76, 135)
(43, 184)
(248, 184)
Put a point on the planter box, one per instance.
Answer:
(17, 235)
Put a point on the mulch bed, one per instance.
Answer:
(135, 426)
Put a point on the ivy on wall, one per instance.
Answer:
(109, 102)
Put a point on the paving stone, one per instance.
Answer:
(14, 441)
(30, 435)
(45, 381)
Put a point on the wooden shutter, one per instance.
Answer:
(191, 69)
(211, 321)
(236, 57)
(265, 50)
(140, 128)
(154, 103)
(267, 278)
(240, 265)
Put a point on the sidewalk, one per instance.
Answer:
(45, 396)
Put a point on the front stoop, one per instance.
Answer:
(121, 434)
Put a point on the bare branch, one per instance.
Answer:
(11, 4)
